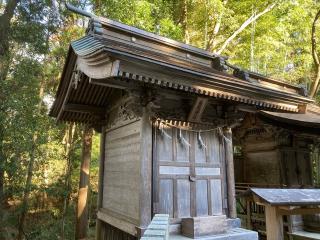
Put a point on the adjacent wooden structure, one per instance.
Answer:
(275, 150)
(279, 202)
(166, 112)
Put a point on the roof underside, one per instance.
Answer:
(116, 56)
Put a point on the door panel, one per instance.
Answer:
(166, 196)
(183, 197)
(188, 175)
(202, 197)
(216, 199)
(164, 148)
(182, 149)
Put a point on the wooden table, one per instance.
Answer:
(279, 202)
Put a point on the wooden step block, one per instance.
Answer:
(202, 226)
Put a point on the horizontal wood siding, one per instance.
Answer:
(113, 233)
(122, 171)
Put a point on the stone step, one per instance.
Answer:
(304, 235)
(233, 234)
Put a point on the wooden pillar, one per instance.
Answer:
(248, 220)
(146, 169)
(230, 172)
(99, 224)
(274, 223)
(82, 207)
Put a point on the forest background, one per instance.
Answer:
(40, 158)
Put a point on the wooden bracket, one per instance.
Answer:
(197, 110)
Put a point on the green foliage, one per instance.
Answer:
(155, 16)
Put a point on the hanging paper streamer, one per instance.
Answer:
(222, 135)
(182, 140)
(200, 141)
(163, 132)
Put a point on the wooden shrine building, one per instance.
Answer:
(166, 112)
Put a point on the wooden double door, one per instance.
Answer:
(188, 173)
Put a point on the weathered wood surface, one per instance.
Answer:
(112, 233)
(202, 226)
(280, 202)
(117, 221)
(230, 173)
(308, 119)
(288, 197)
(189, 176)
(122, 173)
(274, 223)
(145, 166)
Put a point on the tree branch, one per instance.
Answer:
(216, 29)
(315, 85)
(251, 19)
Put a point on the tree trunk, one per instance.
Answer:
(184, 21)
(82, 208)
(27, 190)
(68, 141)
(315, 85)
(213, 42)
(5, 20)
(2, 205)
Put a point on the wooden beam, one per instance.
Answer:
(66, 96)
(197, 110)
(298, 211)
(274, 223)
(116, 222)
(112, 82)
(82, 108)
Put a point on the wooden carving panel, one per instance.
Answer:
(188, 173)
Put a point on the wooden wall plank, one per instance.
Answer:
(122, 171)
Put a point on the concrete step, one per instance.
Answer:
(233, 234)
